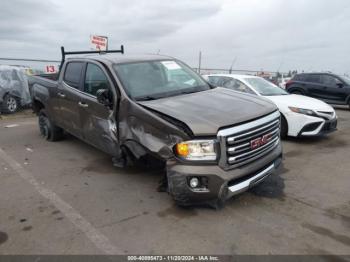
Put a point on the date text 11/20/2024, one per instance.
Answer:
(173, 258)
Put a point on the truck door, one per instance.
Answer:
(69, 94)
(98, 121)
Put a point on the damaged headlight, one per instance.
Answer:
(308, 112)
(198, 150)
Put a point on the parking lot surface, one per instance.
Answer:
(67, 198)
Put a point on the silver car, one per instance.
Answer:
(14, 91)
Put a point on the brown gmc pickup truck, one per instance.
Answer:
(214, 142)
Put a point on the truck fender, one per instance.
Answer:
(40, 93)
(154, 139)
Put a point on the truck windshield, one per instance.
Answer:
(158, 79)
(265, 88)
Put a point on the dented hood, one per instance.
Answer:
(206, 112)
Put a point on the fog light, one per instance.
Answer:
(194, 182)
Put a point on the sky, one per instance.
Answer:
(271, 35)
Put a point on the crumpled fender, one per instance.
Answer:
(143, 131)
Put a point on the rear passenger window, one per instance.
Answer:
(299, 78)
(236, 85)
(73, 73)
(313, 79)
(214, 80)
(95, 79)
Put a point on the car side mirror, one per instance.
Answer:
(104, 97)
(339, 84)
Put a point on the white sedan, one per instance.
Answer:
(301, 115)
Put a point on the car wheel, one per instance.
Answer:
(284, 127)
(297, 92)
(10, 104)
(47, 129)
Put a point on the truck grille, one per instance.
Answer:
(248, 142)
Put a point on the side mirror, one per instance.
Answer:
(339, 83)
(104, 97)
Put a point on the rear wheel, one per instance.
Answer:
(10, 104)
(284, 127)
(47, 129)
(297, 92)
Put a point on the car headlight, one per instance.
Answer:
(308, 112)
(198, 150)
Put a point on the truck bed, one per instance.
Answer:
(47, 81)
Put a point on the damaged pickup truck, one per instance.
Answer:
(214, 142)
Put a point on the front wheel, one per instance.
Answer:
(47, 129)
(10, 104)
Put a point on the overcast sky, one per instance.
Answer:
(306, 35)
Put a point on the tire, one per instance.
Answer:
(10, 104)
(47, 129)
(284, 127)
(297, 92)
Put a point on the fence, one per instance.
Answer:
(207, 71)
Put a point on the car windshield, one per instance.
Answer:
(346, 79)
(158, 79)
(265, 88)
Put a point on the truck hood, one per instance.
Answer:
(208, 111)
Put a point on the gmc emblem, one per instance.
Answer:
(260, 141)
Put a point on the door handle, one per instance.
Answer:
(61, 95)
(82, 104)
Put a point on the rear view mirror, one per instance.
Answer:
(104, 97)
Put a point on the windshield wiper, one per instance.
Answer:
(191, 91)
(188, 92)
(145, 98)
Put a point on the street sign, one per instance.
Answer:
(98, 43)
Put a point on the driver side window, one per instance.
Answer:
(329, 80)
(95, 79)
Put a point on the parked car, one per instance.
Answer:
(214, 142)
(331, 88)
(14, 92)
(301, 115)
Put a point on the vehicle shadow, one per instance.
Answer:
(341, 108)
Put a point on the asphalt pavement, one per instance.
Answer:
(66, 198)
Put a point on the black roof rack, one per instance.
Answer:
(64, 53)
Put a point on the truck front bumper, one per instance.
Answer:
(220, 184)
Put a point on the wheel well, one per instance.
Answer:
(37, 106)
(291, 89)
(348, 100)
(285, 120)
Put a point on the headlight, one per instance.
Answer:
(199, 150)
(308, 112)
